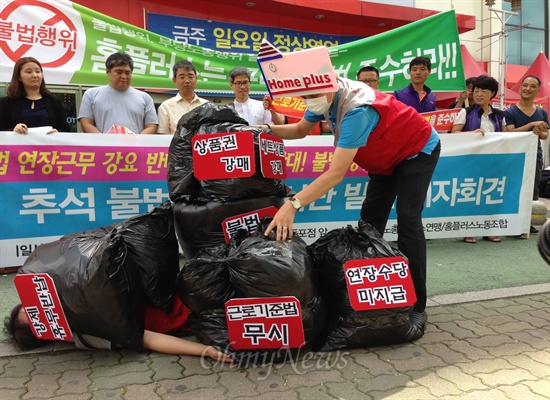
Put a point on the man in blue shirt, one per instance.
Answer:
(417, 94)
(524, 117)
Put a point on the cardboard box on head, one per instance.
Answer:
(296, 74)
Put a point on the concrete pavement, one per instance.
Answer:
(479, 344)
(484, 349)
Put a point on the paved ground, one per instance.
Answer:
(479, 344)
(486, 349)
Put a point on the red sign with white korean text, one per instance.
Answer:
(272, 156)
(248, 221)
(442, 121)
(265, 323)
(42, 306)
(376, 283)
(223, 155)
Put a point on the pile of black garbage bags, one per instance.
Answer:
(106, 276)
(200, 206)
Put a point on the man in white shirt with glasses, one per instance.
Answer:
(251, 110)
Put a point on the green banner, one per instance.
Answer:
(434, 37)
(73, 42)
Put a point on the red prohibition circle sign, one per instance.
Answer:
(58, 16)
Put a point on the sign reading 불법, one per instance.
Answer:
(223, 155)
(248, 221)
(265, 323)
(42, 306)
(376, 283)
(272, 156)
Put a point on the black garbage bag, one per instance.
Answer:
(153, 249)
(260, 266)
(347, 328)
(341, 245)
(203, 282)
(263, 267)
(182, 184)
(99, 291)
(199, 225)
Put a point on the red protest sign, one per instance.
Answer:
(442, 121)
(248, 221)
(223, 155)
(289, 106)
(42, 306)
(265, 323)
(376, 283)
(272, 156)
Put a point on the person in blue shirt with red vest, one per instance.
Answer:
(398, 148)
(417, 94)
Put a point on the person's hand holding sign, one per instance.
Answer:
(267, 102)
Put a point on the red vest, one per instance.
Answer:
(401, 133)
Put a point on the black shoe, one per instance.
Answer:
(533, 230)
(419, 319)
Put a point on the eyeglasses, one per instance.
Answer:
(369, 81)
(243, 83)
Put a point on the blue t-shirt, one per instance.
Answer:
(358, 124)
(514, 116)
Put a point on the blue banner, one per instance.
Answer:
(238, 38)
(57, 184)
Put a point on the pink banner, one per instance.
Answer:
(310, 162)
(70, 163)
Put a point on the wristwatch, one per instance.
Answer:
(295, 203)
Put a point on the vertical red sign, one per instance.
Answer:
(376, 283)
(272, 156)
(265, 323)
(42, 306)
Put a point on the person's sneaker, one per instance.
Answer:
(419, 319)
(533, 229)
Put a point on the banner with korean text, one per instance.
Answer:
(52, 185)
(239, 38)
(73, 42)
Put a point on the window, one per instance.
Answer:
(525, 44)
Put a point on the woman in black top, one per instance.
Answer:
(28, 103)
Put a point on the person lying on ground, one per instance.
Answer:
(17, 326)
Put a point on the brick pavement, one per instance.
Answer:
(486, 349)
